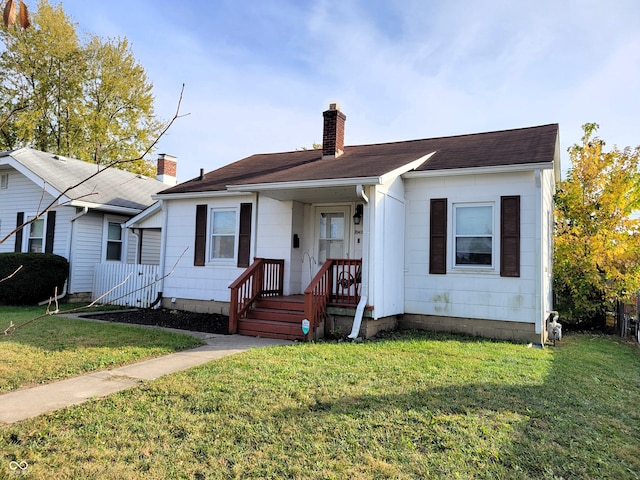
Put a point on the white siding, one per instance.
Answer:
(22, 195)
(86, 251)
(210, 282)
(131, 242)
(386, 258)
(297, 254)
(151, 246)
(468, 293)
(548, 189)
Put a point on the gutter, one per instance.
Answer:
(523, 167)
(163, 247)
(357, 319)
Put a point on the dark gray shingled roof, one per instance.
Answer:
(500, 148)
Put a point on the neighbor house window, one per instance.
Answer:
(473, 226)
(223, 234)
(36, 236)
(4, 181)
(114, 242)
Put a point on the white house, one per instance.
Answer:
(87, 209)
(449, 233)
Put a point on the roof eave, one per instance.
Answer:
(203, 194)
(146, 213)
(407, 167)
(330, 182)
(34, 177)
(105, 207)
(524, 167)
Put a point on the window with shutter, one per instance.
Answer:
(200, 250)
(19, 223)
(438, 236)
(51, 228)
(244, 235)
(473, 235)
(510, 236)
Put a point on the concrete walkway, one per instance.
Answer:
(31, 402)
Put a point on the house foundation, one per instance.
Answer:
(501, 330)
(198, 306)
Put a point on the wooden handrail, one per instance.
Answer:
(337, 282)
(317, 294)
(263, 277)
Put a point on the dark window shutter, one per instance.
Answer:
(438, 236)
(51, 228)
(201, 236)
(510, 236)
(244, 235)
(19, 223)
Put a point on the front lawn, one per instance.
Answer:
(415, 405)
(52, 348)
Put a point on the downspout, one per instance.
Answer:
(163, 248)
(539, 288)
(57, 297)
(357, 319)
(138, 257)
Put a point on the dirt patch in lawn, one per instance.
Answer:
(196, 322)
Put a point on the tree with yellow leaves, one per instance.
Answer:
(80, 96)
(597, 242)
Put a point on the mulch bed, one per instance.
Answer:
(195, 322)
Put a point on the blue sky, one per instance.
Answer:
(259, 73)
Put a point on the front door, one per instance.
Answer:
(332, 233)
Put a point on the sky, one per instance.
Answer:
(258, 74)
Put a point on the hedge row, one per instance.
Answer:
(36, 281)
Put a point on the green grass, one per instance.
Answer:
(413, 406)
(52, 348)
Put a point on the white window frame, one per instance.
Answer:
(28, 231)
(4, 181)
(105, 239)
(455, 236)
(211, 235)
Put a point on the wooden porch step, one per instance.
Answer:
(276, 314)
(275, 317)
(290, 303)
(270, 329)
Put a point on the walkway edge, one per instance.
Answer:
(31, 402)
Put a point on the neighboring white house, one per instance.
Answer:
(84, 224)
(451, 233)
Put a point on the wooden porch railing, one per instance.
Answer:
(336, 282)
(264, 277)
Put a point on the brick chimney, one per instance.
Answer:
(333, 134)
(167, 169)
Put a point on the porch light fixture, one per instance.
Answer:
(357, 217)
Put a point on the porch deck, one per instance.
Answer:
(258, 306)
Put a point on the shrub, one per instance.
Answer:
(36, 281)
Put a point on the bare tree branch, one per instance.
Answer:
(7, 278)
(109, 165)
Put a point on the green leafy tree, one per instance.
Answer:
(597, 243)
(89, 99)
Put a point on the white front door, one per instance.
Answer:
(332, 233)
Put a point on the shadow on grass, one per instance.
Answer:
(580, 422)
